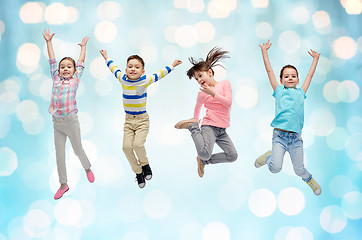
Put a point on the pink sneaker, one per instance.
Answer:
(60, 193)
(90, 176)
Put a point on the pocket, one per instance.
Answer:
(299, 138)
(74, 118)
(145, 121)
(276, 134)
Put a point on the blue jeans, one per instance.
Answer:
(205, 138)
(293, 143)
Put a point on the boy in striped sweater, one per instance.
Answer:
(134, 84)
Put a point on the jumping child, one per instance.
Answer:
(63, 107)
(134, 84)
(289, 119)
(216, 96)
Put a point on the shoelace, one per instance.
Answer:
(313, 185)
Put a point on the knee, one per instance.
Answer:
(299, 171)
(138, 146)
(127, 148)
(204, 155)
(275, 169)
(78, 152)
(232, 157)
(59, 152)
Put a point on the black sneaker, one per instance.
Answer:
(147, 172)
(141, 180)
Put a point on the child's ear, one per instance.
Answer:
(143, 72)
(210, 72)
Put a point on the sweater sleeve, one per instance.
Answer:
(158, 75)
(114, 69)
(199, 103)
(226, 97)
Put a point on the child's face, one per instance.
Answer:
(134, 69)
(289, 78)
(66, 68)
(204, 77)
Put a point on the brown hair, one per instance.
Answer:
(138, 58)
(67, 58)
(287, 66)
(212, 58)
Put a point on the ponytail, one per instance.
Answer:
(212, 59)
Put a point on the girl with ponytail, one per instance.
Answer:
(216, 97)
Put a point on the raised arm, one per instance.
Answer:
(83, 45)
(310, 74)
(268, 68)
(112, 66)
(48, 38)
(176, 63)
(104, 54)
(161, 73)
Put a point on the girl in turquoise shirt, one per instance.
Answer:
(289, 119)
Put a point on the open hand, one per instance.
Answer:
(265, 46)
(176, 63)
(104, 53)
(47, 35)
(84, 41)
(314, 54)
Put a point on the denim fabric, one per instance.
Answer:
(205, 138)
(292, 143)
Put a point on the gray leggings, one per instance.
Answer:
(63, 128)
(205, 138)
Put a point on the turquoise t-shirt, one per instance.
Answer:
(289, 109)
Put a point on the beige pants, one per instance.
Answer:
(135, 132)
(68, 127)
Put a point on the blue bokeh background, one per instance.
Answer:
(232, 201)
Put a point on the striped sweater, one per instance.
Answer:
(135, 91)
